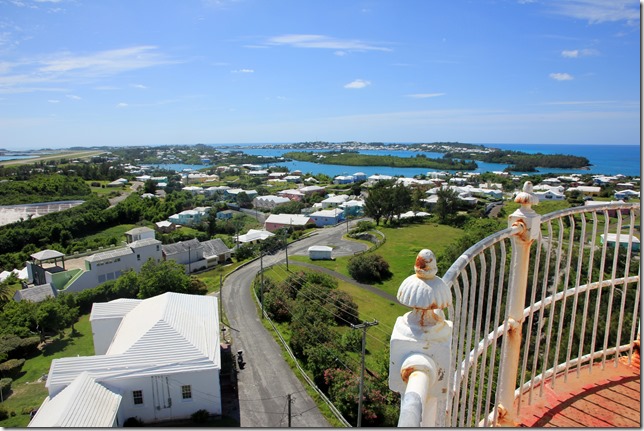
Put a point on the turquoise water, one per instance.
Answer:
(605, 159)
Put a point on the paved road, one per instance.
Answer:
(266, 380)
(125, 194)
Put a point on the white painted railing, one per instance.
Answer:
(543, 297)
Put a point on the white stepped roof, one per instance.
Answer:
(172, 332)
(85, 403)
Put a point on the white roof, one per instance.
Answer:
(84, 403)
(274, 199)
(290, 219)
(311, 189)
(117, 308)
(319, 248)
(254, 235)
(47, 254)
(336, 199)
(327, 213)
(169, 333)
(624, 237)
(110, 254)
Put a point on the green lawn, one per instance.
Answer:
(27, 393)
(399, 250)
(211, 277)
(117, 232)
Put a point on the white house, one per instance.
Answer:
(132, 373)
(187, 253)
(626, 194)
(550, 195)
(254, 236)
(215, 252)
(334, 201)
(269, 201)
(291, 221)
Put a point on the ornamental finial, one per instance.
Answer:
(526, 197)
(424, 290)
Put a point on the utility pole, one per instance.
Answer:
(261, 281)
(286, 249)
(289, 409)
(221, 286)
(363, 326)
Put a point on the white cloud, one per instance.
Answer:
(70, 67)
(139, 86)
(53, 101)
(561, 76)
(244, 71)
(105, 62)
(576, 53)
(358, 83)
(597, 11)
(323, 42)
(122, 105)
(425, 95)
(73, 97)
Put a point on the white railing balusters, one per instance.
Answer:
(485, 388)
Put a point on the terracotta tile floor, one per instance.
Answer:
(603, 398)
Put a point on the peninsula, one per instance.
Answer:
(456, 155)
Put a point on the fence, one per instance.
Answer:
(544, 297)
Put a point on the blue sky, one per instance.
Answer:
(155, 72)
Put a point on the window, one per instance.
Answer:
(138, 257)
(186, 392)
(137, 396)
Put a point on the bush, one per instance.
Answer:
(3, 414)
(200, 416)
(11, 367)
(133, 422)
(368, 268)
(5, 386)
(363, 226)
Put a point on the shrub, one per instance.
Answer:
(200, 416)
(133, 422)
(5, 386)
(368, 268)
(363, 226)
(3, 414)
(11, 367)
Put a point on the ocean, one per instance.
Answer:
(604, 159)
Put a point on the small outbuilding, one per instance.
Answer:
(320, 252)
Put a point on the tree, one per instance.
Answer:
(149, 186)
(158, 278)
(53, 315)
(375, 203)
(127, 285)
(401, 199)
(447, 203)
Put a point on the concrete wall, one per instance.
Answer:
(162, 395)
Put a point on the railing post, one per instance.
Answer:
(528, 225)
(420, 347)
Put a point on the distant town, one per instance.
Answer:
(104, 251)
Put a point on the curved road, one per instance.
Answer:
(266, 380)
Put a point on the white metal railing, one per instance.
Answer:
(543, 297)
